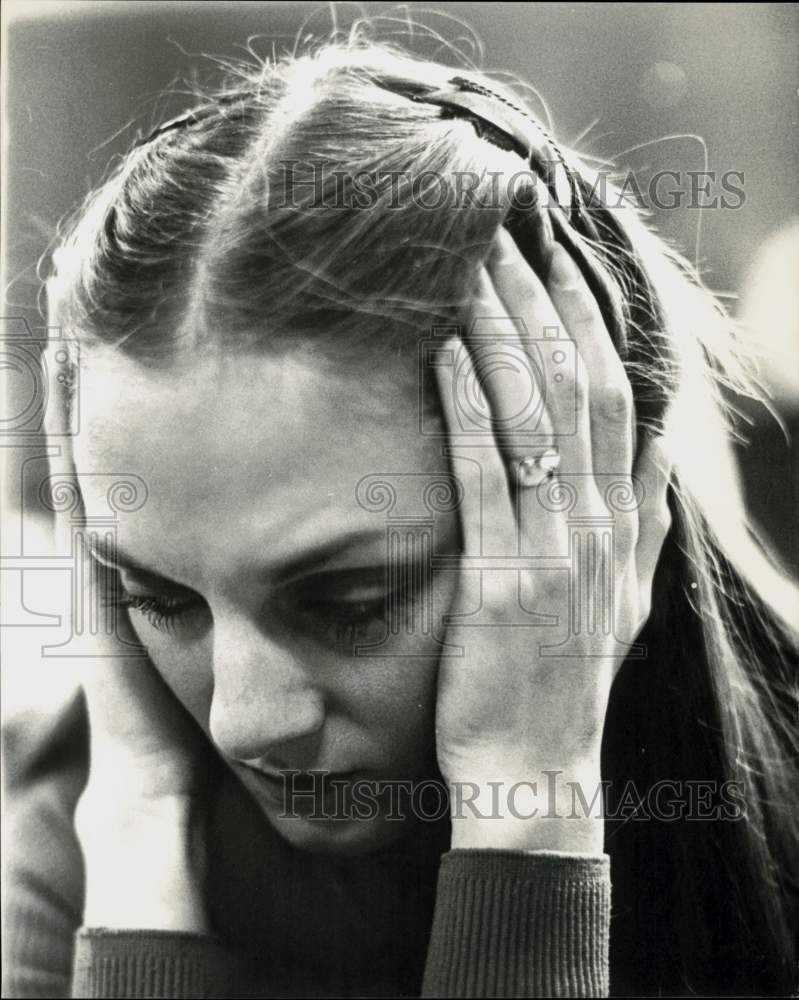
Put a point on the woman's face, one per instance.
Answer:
(257, 575)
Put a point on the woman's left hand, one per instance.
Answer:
(556, 579)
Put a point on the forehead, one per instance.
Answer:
(249, 451)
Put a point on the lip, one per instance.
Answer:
(304, 798)
(294, 777)
(312, 773)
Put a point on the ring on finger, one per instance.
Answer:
(532, 470)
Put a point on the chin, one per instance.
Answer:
(337, 822)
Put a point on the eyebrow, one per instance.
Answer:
(115, 558)
(291, 568)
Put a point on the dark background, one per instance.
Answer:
(82, 77)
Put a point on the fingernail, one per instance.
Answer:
(562, 269)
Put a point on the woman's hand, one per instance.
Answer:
(140, 817)
(556, 578)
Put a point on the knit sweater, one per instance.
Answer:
(417, 919)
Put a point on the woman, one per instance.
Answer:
(440, 414)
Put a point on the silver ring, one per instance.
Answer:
(536, 469)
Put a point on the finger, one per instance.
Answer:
(610, 395)
(524, 430)
(511, 383)
(550, 348)
(486, 511)
(653, 471)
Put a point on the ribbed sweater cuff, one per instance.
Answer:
(520, 924)
(143, 963)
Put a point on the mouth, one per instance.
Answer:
(302, 779)
(305, 791)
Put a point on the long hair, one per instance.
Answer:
(302, 201)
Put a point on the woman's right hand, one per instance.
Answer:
(140, 818)
(511, 710)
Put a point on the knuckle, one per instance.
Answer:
(655, 516)
(583, 313)
(663, 517)
(626, 537)
(613, 402)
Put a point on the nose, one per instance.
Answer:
(264, 703)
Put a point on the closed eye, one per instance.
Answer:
(336, 607)
(162, 611)
(344, 606)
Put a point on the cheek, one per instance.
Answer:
(387, 702)
(393, 697)
(385, 705)
(397, 692)
(186, 667)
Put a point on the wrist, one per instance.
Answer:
(145, 865)
(551, 810)
(583, 836)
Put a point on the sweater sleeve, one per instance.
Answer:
(520, 924)
(506, 924)
(143, 963)
(42, 877)
(43, 774)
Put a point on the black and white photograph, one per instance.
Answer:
(400, 567)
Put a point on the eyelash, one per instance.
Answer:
(165, 613)
(355, 624)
